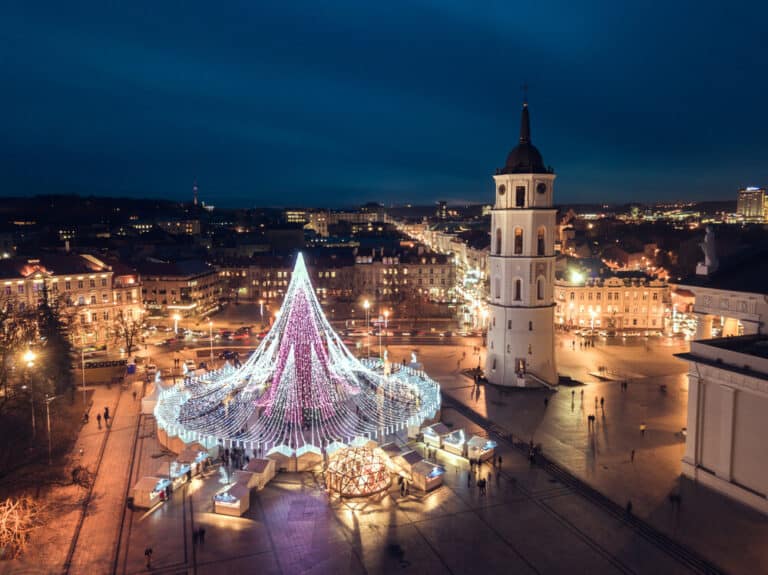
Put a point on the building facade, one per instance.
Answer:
(521, 347)
(93, 293)
(750, 204)
(612, 304)
(727, 426)
(189, 288)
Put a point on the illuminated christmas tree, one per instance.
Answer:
(302, 388)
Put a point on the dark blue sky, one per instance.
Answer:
(334, 103)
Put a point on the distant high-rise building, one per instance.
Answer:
(750, 204)
(442, 210)
(194, 193)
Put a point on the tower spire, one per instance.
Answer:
(525, 121)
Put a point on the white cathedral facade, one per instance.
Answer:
(521, 341)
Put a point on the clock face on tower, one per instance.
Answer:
(502, 189)
(541, 188)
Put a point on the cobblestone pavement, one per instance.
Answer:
(527, 523)
(719, 529)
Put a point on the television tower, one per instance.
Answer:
(194, 193)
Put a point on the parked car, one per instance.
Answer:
(151, 369)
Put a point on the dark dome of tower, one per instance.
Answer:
(525, 158)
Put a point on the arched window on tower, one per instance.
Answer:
(540, 288)
(496, 288)
(498, 241)
(518, 290)
(540, 241)
(518, 241)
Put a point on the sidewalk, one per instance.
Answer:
(49, 545)
(97, 538)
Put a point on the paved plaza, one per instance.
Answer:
(529, 522)
(718, 528)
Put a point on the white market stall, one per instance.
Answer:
(263, 471)
(427, 476)
(434, 434)
(480, 448)
(455, 442)
(149, 491)
(235, 500)
(196, 456)
(177, 473)
(407, 460)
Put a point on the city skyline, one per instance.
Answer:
(339, 105)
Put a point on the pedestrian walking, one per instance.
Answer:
(106, 412)
(134, 395)
(195, 537)
(499, 461)
(632, 456)
(106, 420)
(148, 556)
(573, 395)
(582, 396)
(595, 403)
(98, 419)
(202, 535)
(642, 429)
(602, 402)
(469, 479)
(546, 401)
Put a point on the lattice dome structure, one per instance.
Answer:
(302, 388)
(357, 471)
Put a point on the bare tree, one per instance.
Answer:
(18, 517)
(127, 331)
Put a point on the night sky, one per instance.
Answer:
(337, 103)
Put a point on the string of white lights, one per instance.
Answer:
(302, 388)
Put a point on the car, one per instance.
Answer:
(226, 334)
(151, 369)
(227, 354)
(190, 363)
(237, 335)
(406, 333)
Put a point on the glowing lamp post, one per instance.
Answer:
(29, 358)
(176, 318)
(261, 311)
(210, 333)
(367, 307)
(48, 401)
(386, 317)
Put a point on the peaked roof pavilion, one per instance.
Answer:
(302, 389)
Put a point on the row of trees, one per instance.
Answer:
(43, 330)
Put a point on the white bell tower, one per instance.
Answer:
(521, 341)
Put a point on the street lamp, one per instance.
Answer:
(48, 401)
(82, 364)
(176, 318)
(210, 330)
(386, 317)
(592, 315)
(29, 358)
(367, 307)
(261, 311)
